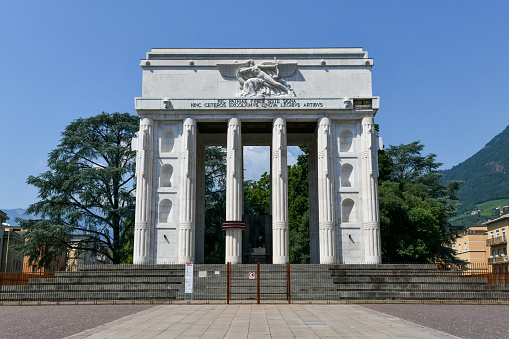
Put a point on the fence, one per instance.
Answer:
(22, 277)
(261, 283)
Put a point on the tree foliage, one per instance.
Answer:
(215, 204)
(87, 191)
(415, 207)
(257, 202)
(298, 209)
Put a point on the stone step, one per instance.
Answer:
(421, 287)
(384, 267)
(395, 273)
(408, 279)
(416, 295)
(129, 267)
(111, 279)
(123, 273)
(85, 296)
(90, 287)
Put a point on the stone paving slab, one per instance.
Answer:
(260, 321)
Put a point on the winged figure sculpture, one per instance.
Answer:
(263, 79)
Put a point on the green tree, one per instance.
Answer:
(215, 204)
(415, 207)
(298, 209)
(257, 202)
(257, 196)
(87, 191)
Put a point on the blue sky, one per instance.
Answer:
(440, 66)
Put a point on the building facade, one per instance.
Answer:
(194, 98)
(496, 243)
(471, 247)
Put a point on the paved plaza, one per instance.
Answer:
(260, 321)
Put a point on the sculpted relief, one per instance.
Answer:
(261, 80)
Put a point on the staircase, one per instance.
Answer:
(344, 282)
(410, 282)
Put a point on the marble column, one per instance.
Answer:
(187, 208)
(234, 197)
(327, 229)
(314, 241)
(199, 254)
(143, 213)
(371, 222)
(279, 193)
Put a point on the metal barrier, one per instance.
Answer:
(271, 281)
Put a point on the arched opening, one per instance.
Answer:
(166, 173)
(165, 211)
(345, 141)
(347, 211)
(346, 175)
(167, 141)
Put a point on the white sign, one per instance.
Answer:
(252, 275)
(189, 278)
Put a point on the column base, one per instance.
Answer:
(234, 241)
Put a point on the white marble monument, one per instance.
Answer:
(318, 97)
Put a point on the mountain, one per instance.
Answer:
(485, 175)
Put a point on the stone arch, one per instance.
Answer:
(345, 140)
(165, 207)
(347, 211)
(346, 175)
(167, 141)
(166, 174)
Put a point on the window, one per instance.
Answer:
(493, 253)
(503, 233)
(505, 250)
(499, 253)
(466, 246)
(459, 247)
(498, 233)
(492, 236)
(454, 247)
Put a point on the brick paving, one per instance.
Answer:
(255, 321)
(260, 321)
(465, 321)
(51, 322)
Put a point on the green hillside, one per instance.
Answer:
(485, 175)
(483, 212)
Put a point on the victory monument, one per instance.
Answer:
(194, 98)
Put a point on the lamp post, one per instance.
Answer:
(4, 224)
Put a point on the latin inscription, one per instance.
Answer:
(256, 103)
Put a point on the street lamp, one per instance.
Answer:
(4, 224)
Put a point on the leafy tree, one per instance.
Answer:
(257, 196)
(415, 207)
(87, 191)
(215, 204)
(257, 202)
(298, 209)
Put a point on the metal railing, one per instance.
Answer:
(496, 240)
(270, 281)
(498, 260)
(262, 283)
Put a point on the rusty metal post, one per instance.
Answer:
(228, 281)
(288, 293)
(258, 282)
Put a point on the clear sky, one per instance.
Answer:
(440, 66)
